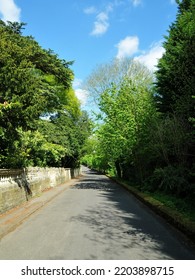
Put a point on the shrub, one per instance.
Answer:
(171, 179)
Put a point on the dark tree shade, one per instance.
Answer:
(176, 69)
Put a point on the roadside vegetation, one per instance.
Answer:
(41, 123)
(145, 132)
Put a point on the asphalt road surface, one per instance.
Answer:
(94, 219)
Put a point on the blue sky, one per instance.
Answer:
(92, 32)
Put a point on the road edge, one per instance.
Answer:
(13, 218)
(173, 217)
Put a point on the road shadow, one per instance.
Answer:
(120, 219)
(94, 183)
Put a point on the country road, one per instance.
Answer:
(94, 219)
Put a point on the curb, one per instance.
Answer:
(173, 217)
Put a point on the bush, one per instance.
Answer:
(32, 149)
(171, 179)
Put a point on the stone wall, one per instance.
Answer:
(18, 186)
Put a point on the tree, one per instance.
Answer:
(68, 132)
(23, 79)
(33, 149)
(128, 112)
(123, 89)
(175, 85)
(147, 133)
(175, 75)
(35, 84)
(106, 75)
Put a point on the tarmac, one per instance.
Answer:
(11, 219)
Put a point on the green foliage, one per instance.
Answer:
(24, 67)
(174, 137)
(175, 75)
(32, 149)
(170, 179)
(36, 84)
(170, 141)
(127, 114)
(146, 133)
(127, 109)
(93, 155)
(113, 73)
(69, 132)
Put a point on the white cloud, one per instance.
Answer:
(136, 2)
(173, 1)
(9, 10)
(90, 10)
(77, 83)
(101, 24)
(150, 58)
(128, 46)
(82, 95)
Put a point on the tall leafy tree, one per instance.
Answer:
(25, 90)
(34, 83)
(68, 132)
(176, 69)
(124, 93)
(175, 90)
(127, 114)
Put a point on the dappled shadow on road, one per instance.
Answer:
(123, 226)
(94, 184)
(86, 170)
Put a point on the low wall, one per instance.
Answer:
(18, 186)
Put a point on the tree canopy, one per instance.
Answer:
(176, 69)
(34, 83)
(146, 134)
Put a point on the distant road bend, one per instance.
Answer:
(94, 219)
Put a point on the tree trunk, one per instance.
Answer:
(118, 169)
